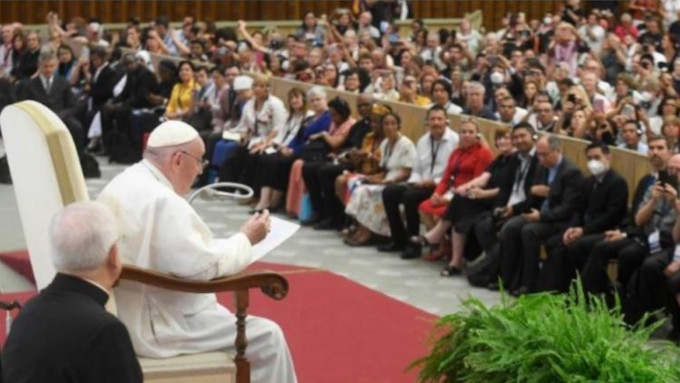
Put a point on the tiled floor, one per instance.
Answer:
(415, 282)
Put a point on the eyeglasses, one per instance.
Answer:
(202, 163)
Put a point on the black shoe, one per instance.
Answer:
(390, 247)
(674, 336)
(450, 271)
(411, 252)
(493, 286)
(311, 221)
(521, 291)
(326, 224)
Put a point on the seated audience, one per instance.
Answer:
(181, 103)
(467, 162)
(603, 208)
(654, 218)
(398, 156)
(279, 165)
(432, 153)
(558, 187)
(471, 201)
(55, 93)
(319, 176)
(298, 114)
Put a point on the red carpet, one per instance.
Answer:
(338, 331)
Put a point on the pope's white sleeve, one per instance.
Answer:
(235, 254)
(185, 246)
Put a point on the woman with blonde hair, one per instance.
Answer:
(467, 162)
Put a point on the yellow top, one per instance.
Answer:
(420, 101)
(182, 97)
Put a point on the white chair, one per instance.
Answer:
(47, 176)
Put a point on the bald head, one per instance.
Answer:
(674, 164)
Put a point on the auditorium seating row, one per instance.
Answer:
(631, 165)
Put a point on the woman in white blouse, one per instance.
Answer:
(398, 156)
(263, 116)
(254, 171)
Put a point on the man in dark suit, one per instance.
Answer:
(513, 195)
(65, 334)
(604, 208)
(558, 187)
(649, 234)
(100, 79)
(55, 93)
(140, 86)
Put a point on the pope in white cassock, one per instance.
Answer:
(161, 231)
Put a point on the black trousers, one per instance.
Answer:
(320, 178)
(410, 197)
(486, 230)
(564, 261)
(310, 174)
(520, 250)
(277, 169)
(651, 290)
(630, 254)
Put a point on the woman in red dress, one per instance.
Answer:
(467, 162)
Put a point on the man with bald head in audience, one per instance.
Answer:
(65, 334)
(161, 231)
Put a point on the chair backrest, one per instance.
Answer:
(46, 174)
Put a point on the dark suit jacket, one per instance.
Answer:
(604, 205)
(59, 100)
(506, 189)
(565, 192)
(140, 83)
(65, 335)
(102, 90)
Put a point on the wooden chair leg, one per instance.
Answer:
(242, 364)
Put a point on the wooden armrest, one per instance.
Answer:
(10, 305)
(272, 284)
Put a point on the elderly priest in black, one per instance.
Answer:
(65, 334)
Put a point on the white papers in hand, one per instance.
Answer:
(281, 230)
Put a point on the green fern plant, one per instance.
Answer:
(545, 338)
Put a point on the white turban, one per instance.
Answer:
(243, 83)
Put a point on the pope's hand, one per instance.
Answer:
(256, 227)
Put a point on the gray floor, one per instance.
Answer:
(414, 282)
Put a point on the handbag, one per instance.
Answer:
(315, 151)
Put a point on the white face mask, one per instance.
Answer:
(497, 78)
(596, 167)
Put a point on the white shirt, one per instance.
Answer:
(434, 55)
(6, 58)
(519, 178)
(290, 129)
(271, 116)
(598, 33)
(159, 230)
(519, 115)
(642, 148)
(452, 108)
(427, 150)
